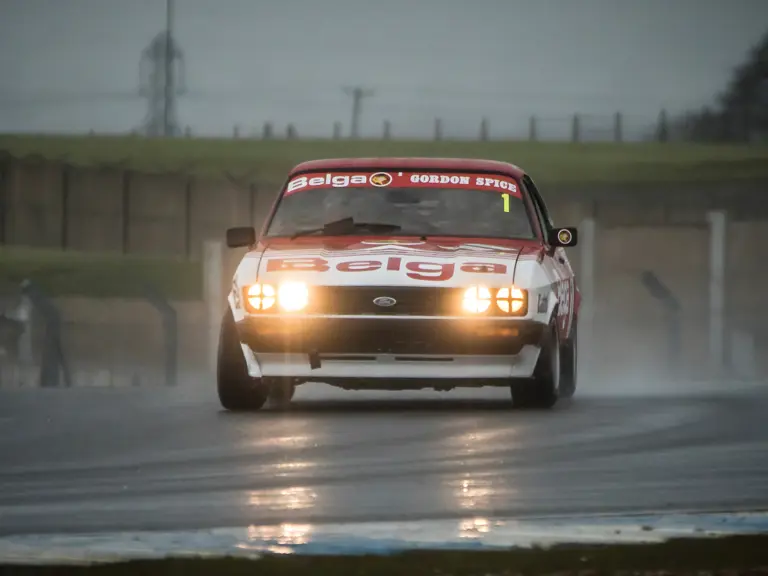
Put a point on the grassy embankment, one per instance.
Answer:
(109, 275)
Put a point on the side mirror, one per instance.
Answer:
(563, 237)
(241, 236)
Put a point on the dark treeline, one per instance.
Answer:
(741, 111)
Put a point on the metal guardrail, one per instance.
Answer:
(54, 365)
(671, 305)
(170, 328)
(20, 366)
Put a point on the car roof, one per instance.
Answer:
(469, 164)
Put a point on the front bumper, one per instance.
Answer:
(388, 335)
(336, 349)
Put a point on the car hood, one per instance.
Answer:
(380, 261)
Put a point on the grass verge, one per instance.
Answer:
(268, 161)
(727, 556)
(100, 275)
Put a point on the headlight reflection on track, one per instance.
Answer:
(476, 490)
(292, 498)
(284, 535)
(297, 441)
(472, 492)
(474, 527)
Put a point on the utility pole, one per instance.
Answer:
(168, 93)
(162, 75)
(358, 93)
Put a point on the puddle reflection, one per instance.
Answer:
(292, 498)
(474, 527)
(479, 442)
(471, 493)
(277, 539)
(477, 490)
(293, 441)
(286, 469)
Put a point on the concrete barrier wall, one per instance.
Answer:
(123, 340)
(53, 206)
(631, 327)
(631, 324)
(661, 229)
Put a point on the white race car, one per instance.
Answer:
(402, 274)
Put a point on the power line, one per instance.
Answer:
(358, 93)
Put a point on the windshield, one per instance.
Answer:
(414, 204)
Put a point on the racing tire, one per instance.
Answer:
(238, 391)
(570, 364)
(543, 390)
(281, 394)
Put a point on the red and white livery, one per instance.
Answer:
(398, 274)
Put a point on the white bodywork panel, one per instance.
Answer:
(382, 264)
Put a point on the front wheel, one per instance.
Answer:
(543, 390)
(238, 391)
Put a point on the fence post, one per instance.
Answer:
(587, 289)
(717, 253)
(213, 284)
(438, 129)
(188, 196)
(5, 186)
(253, 193)
(126, 211)
(484, 130)
(171, 329)
(576, 129)
(65, 190)
(54, 362)
(618, 127)
(662, 131)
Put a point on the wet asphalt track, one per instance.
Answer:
(89, 460)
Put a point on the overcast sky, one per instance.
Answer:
(73, 65)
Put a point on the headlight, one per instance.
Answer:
(512, 300)
(260, 296)
(293, 296)
(477, 299)
(290, 296)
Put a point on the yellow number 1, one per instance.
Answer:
(506, 202)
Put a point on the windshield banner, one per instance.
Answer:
(492, 182)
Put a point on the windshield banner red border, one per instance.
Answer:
(396, 179)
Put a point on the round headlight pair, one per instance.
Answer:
(478, 299)
(289, 296)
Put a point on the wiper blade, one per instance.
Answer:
(381, 226)
(346, 226)
(307, 232)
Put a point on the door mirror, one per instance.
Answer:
(241, 236)
(564, 237)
